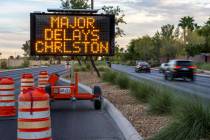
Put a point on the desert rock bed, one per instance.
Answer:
(136, 112)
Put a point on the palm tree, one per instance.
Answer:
(187, 24)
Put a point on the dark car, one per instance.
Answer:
(180, 69)
(142, 67)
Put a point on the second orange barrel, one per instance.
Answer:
(27, 81)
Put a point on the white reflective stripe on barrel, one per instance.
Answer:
(36, 104)
(26, 80)
(5, 98)
(7, 87)
(34, 135)
(34, 115)
(42, 86)
(27, 84)
(43, 82)
(8, 92)
(34, 125)
(7, 104)
(43, 76)
(45, 79)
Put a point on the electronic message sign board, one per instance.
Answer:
(72, 34)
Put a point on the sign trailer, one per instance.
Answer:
(68, 33)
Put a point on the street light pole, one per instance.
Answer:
(92, 4)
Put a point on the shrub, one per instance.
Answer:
(192, 122)
(82, 68)
(109, 76)
(4, 65)
(161, 103)
(26, 63)
(122, 81)
(142, 91)
(203, 66)
(88, 66)
(102, 68)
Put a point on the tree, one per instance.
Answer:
(26, 48)
(205, 32)
(18, 57)
(169, 45)
(187, 24)
(195, 43)
(79, 4)
(167, 31)
(11, 57)
(119, 18)
(157, 43)
(74, 4)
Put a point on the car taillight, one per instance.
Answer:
(192, 67)
(177, 67)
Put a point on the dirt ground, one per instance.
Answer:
(136, 112)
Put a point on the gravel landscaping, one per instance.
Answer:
(136, 112)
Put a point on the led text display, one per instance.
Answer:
(74, 35)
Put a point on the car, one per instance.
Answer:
(180, 69)
(163, 67)
(142, 67)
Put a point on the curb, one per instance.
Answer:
(125, 126)
(127, 129)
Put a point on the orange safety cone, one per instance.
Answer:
(34, 122)
(7, 97)
(27, 81)
(43, 79)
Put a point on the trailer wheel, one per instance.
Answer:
(97, 102)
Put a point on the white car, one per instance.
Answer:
(163, 67)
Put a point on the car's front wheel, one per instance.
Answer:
(165, 76)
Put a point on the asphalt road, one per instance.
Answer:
(200, 87)
(70, 120)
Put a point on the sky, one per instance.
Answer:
(143, 17)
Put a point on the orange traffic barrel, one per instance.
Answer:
(7, 97)
(34, 122)
(27, 81)
(43, 79)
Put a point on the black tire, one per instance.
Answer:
(171, 77)
(97, 102)
(165, 76)
(97, 90)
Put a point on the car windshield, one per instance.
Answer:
(184, 63)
